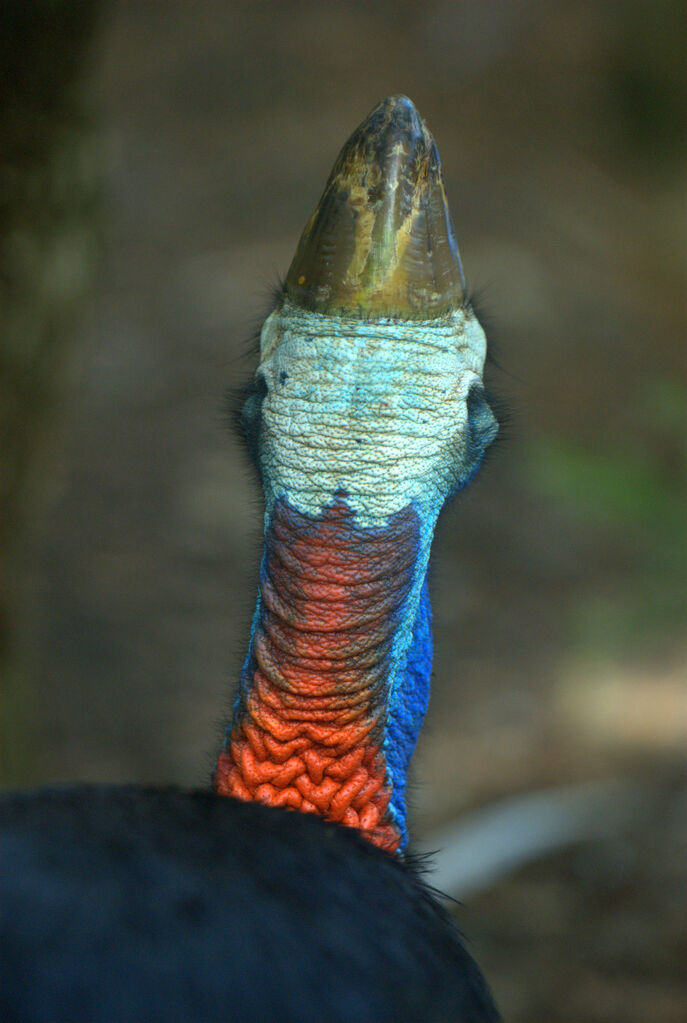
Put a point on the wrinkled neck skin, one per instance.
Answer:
(362, 430)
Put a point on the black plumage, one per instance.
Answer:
(135, 904)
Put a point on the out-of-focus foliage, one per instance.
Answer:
(47, 201)
(641, 489)
(48, 245)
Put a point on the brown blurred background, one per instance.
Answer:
(159, 162)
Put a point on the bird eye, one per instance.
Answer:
(482, 428)
(251, 415)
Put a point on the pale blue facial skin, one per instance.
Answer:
(383, 412)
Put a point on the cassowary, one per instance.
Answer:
(286, 893)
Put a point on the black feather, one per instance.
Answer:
(128, 904)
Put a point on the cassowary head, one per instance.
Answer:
(366, 414)
(373, 356)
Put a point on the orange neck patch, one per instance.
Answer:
(309, 724)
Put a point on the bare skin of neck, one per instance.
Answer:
(308, 727)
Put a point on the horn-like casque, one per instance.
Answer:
(381, 241)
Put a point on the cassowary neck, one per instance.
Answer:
(311, 730)
(367, 413)
(358, 450)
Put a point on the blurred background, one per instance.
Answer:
(158, 163)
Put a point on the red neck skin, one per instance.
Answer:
(308, 726)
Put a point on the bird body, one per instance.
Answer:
(122, 903)
(366, 413)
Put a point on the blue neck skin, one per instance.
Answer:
(407, 709)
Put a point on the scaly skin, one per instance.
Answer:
(366, 423)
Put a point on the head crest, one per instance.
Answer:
(381, 241)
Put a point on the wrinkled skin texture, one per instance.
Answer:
(310, 730)
(389, 418)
